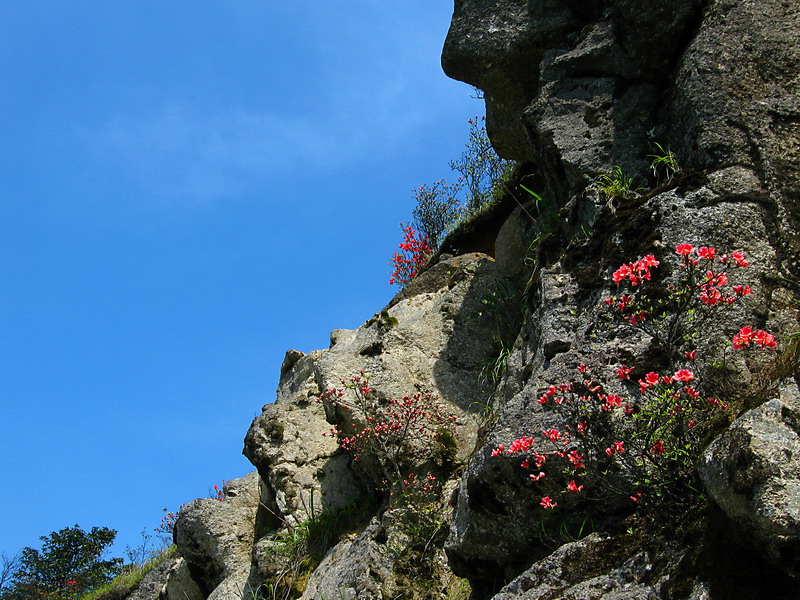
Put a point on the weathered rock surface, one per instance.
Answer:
(600, 568)
(431, 339)
(578, 88)
(752, 472)
(216, 538)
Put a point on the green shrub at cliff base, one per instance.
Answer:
(123, 585)
(69, 565)
(643, 444)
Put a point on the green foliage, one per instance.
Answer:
(479, 165)
(121, 586)
(664, 164)
(504, 309)
(616, 184)
(440, 207)
(69, 565)
(298, 549)
(437, 207)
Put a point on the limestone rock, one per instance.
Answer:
(291, 446)
(216, 537)
(752, 471)
(432, 338)
(179, 584)
(599, 568)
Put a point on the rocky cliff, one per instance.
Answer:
(640, 126)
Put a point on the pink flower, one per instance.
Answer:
(624, 372)
(552, 434)
(499, 450)
(739, 259)
(582, 368)
(742, 290)
(573, 487)
(706, 253)
(691, 354)
(624, 272)
(742, 339)
(547, 503)
(576, 459)
(683, 249)
(521, 445)
(764, 339)
(683, 375)
(536, 477)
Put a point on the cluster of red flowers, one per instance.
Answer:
(388, 430)
(760, 338)
(416, 252)
(218, 493)
(662, 417)
(635, 272)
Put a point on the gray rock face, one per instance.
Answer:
(575, 88)
(216, 538)
(431, 339)
(599, 568)
(578, 88)
(752, 472)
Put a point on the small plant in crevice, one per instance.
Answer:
(642, 440)
(616, 184)
(299, 547)
(664, 164)
(393, 437)
(504, 309)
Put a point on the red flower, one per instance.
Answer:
(764, 339)
(706, 253)
(683, 375)
(683, 249)
(624, 372)
(547, 503)
(739, 259)
(573, 487)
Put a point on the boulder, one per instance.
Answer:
(216, 537)
(752, 471)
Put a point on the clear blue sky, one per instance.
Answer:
(189, 189)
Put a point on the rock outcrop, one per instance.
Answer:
(586, 94)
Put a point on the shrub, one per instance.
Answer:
(644, 445)
(397, 436)
(69, 564)
(480, 166)
(437, 207)
(415, 254)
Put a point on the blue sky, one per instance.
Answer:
(189, 189)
